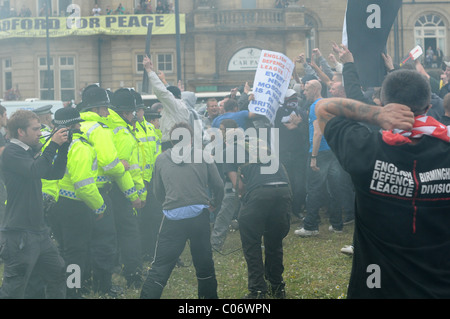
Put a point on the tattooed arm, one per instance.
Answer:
(388, 117)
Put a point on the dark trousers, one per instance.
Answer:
(171, 242)
(295, 164)
(75, 223)
(103, 247)
(129, 243)
(330, 176)
(150, 218)
(265, 212)
(26, 252)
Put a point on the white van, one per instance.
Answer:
(30, 104)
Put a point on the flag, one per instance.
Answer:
(367, 24)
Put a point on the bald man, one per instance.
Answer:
(324, 172)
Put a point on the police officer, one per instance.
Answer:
(80, 200)
(121, 120)
(94, 109)
(152, 215)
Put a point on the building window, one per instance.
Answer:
(62, 6)
(7, 75)
(67, 78)
(139, 65)
(42, 6)
(165, 62)
(311, 36)
(46, 80)
(430, 32)
(60, 82)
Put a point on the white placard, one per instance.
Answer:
(271, 83)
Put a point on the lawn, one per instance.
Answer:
(314, 268)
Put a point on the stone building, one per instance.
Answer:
(218, 43)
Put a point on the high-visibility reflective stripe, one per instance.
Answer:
(134, 166)
(129, 192)
(143, 139)
(102, 178)
(117, 129)
(141, 191)
(93, 127)
(67, 193)
(101, 209)
(151, 138)
(95, 165)
(84, 182)
(111, 165)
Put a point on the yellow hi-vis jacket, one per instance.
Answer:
(110, 168)
(49, 187)
(127, 149)
(148, 144)
(155, 136)
(79, 181)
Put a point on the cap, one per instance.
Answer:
(289, 93)
(93, 96)
(67, 116)
(46, 109)
(124, 100)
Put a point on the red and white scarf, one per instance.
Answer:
(423, 125)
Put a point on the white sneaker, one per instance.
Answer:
(306, 233)
(334, 230)
(347, 250)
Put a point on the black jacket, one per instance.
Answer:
(23, 172)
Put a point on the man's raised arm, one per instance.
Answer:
(390, 116)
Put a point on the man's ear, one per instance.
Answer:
(21, 132)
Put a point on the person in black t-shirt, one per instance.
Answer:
(402, 238)
(266, 205)
(292, 122)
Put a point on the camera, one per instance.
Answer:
(69, 132)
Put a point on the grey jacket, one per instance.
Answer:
(179, 182)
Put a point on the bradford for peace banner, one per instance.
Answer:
(109, 25)
(367, 25)
(271, 83)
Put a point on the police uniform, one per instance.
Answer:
(110, 171)
(80, 200)
(127, 221)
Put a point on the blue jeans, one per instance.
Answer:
(230, 204)
(332, 173)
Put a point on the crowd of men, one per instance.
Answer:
(113, 183)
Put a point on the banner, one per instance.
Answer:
(109, 25)
(271, 83)
(367, 25)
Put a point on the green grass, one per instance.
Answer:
(314, 268)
